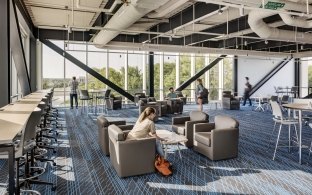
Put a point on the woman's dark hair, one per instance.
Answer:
(148, 111)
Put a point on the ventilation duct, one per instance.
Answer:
(127, 15)
(263, 30)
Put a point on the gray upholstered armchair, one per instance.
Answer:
(218, 140)
(140, 96)
(114, 102)
(143, 105)
(103, 124)
(185, 125)
(229, 102)
(131, 157)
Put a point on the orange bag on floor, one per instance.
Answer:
(163, 166)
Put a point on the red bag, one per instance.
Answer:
(163, 166)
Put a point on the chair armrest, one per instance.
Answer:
(126, 127)
(190, 124)
(203, 127)
(180, 120)
(222, 136)
(117, 122)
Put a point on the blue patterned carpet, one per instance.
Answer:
(83, 169)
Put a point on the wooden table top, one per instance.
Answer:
(13, 117)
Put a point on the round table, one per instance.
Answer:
(300, 107)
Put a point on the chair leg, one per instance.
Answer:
(288, 138)
(279, 132)
(271, 136)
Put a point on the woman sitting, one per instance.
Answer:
(145, 127)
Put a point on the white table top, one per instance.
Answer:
(298, 106)
(171, 137)
(13, 117)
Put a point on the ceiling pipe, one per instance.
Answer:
(167, 8)
(175, 30)
(94, 9)
(126, 16)
(292, 6)
(289, 20)
(191, 49)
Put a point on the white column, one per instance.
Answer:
(207, 81)
(177, 70)
(220, 79)
(87, 74)
(126, 71)
(144, 71)
(192, 74)
(39, 65)
(107, 66)
(161, 76)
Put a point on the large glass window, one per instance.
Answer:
(53, 72)
(185, 72)
(228, 74)
(117, 67)
(169, 71)
(135, 74)
(157, 57)
(98, 62)
(213, 80)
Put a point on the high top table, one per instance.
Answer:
(13, 119)
(300, 107)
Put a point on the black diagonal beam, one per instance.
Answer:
(268, 76)
(86, 68)
(200, 73)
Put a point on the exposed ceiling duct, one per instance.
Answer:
(256, 23)
(127, 15)
(167, 8)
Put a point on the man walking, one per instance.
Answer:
(73, 84)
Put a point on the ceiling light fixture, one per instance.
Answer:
(301, 47)
(266, 42)
(245, 43)
(170, 38)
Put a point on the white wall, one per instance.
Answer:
(257, 68)
(304, 76)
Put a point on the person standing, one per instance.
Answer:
(247, 91)
(73, 84)
(199, 94)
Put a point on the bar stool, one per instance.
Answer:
(279, 118)
(84, 97)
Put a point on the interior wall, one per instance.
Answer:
(257, 68)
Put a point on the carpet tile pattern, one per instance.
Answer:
(83, 169)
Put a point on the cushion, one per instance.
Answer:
(116, 133)
(224, 122)
(102, 120)
(179, 128)
(198, 116)
(203, 138)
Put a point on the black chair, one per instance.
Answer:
(85, 98)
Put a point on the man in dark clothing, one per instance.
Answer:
(73, 84)
(247, 91)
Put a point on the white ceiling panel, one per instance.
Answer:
(57, 17)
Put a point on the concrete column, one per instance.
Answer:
(161, 76)
(144, 71)
(192, 74)
(220, 79)
(39, 65)
(126, 71)
(107, 66)
(177, 70)
(207, 81)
